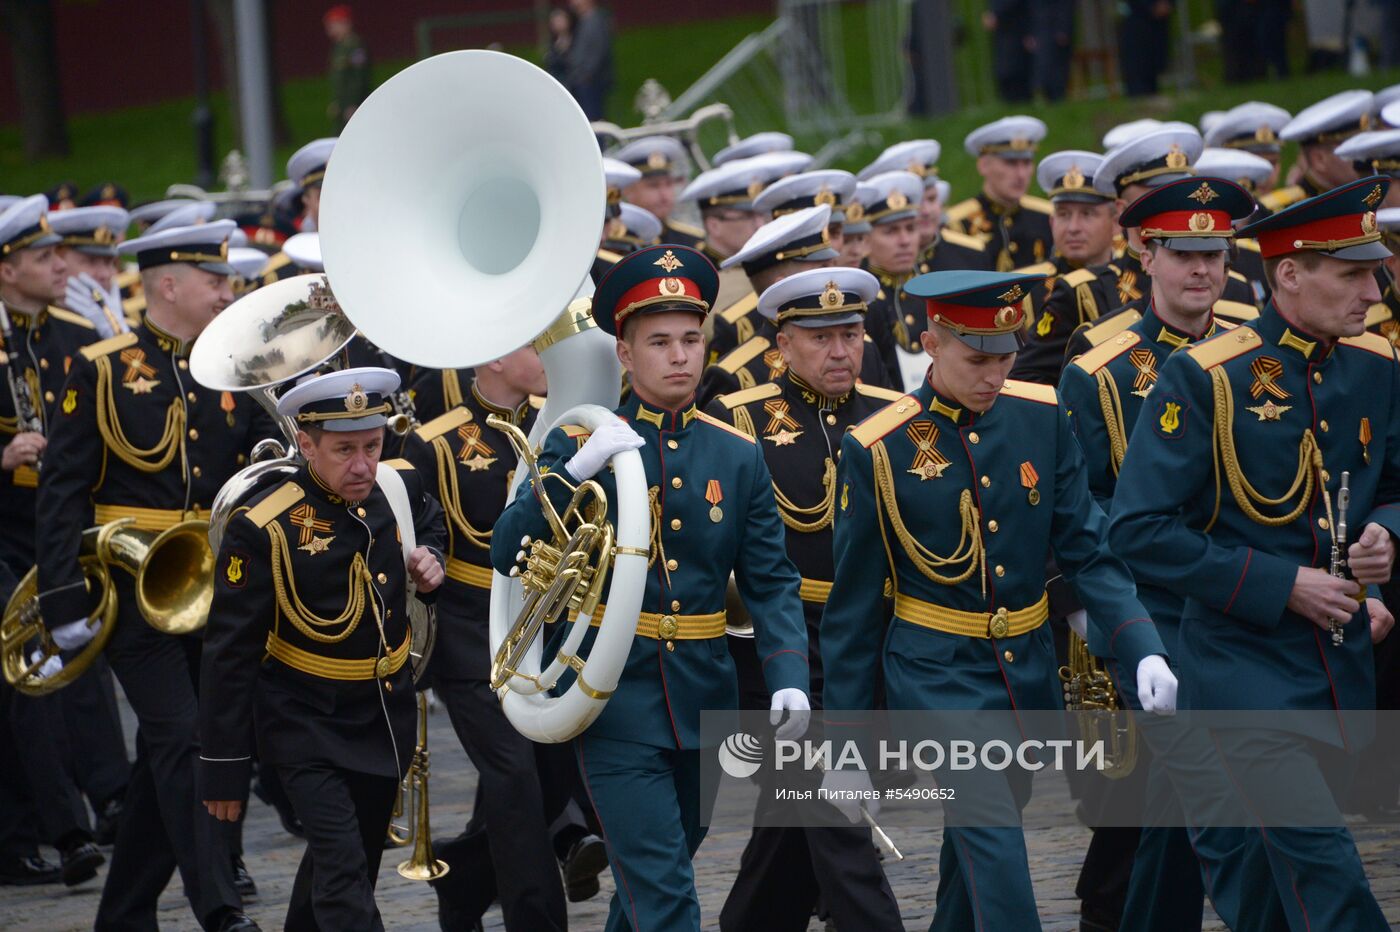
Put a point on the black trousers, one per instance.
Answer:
(1143, 48)
(36, 724)
(96, 746)
(346, 815)
(164, 826)
(510, 812)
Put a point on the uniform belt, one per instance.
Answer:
(998, 624)
(26, 477)
(147, 519)
(469, 573)
(674, 627)
(814, 590)
(332, 668)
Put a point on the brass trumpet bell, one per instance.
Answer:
(173, 569)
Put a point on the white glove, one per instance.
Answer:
(839, 782)
(611, 438)
(794, 703)
(74, 634)
(1156, 685)
(1079, 623)
(79, 297)
(49, 667)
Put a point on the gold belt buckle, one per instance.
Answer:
(382, 668)
(1000, 623)
(668, 627)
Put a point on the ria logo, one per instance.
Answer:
(740, 755)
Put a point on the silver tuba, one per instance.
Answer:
(488, 175)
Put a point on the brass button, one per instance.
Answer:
(1010, 657)
(673, 445)
(1322, 425)
(831, 419)
(676, 483)
(672, 565)
(44, 363)
(382, 579)
(973, 438)
(183, 364)
(671, 646)
(986, 482)
(909, 319)
(1000, 570)
(196, 471)
(1317, 377)
(48, 396)
(675, 524)
(192, 396)
(993, 526)
(194, 434)
(1322, 523)
(360, 512)
(240, 459)
(675, 605)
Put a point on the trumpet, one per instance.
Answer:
(421, 865)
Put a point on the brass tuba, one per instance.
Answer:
(496, 198)
(1091, 696)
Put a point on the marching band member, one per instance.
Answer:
(919, 156)
(661, 164)
(89, 250)
(1318, 130)
(713, 511)
(307, 168)
(1014, 225)
(308, 643)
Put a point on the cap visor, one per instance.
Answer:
(217, 268)
(340, 425)
(897, 215)
(103, 252)
(1366, 252)
(1196, 243)
(826, 320)
(996, 344)
(1089, 197)
(821, 255)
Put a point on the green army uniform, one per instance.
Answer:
(349, 77)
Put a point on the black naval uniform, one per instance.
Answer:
(758, 360)
(785, 871)
(674, 231)
(295, 653)
(469, 465)
(1014, 236)
(133, 435)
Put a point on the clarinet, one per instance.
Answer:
(1338, 566)
(26, 412)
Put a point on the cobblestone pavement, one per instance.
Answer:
(272, 857)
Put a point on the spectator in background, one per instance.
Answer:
(1143, 44)
(1389, 35)
(561, 37)
(1009, 23)
(1052, 45)
(589, 59)
(1253, 38)
(349, 72)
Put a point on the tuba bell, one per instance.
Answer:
(496, 196)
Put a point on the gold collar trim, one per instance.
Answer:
(938, 407)
(515, 415)
(331, 494)
(167, 342)
(658, 418)
(1293, 341)
(814, 397)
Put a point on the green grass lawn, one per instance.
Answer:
(147, 148)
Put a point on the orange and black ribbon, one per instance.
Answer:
(472, 443)
(779, 416)
(927, 458)
(1146, 365)
(1267, 371)
(136, 367)
(304, 517)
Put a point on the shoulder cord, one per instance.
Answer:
(1112, 406)
(824, 510)
(302, 618)
(109, 426)
(451, 496)
(744, 422)
(451, 389)
(969, 549)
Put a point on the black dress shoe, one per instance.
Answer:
(26, 872)
(107, 821)
(242, 880)
(236, 921)
(587, 858)
(80, 863)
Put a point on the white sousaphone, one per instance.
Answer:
(459, 214)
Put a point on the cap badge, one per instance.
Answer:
(1374, 198)
(1176, 159)
(672, 286)
(1204, 194)
(1015, 294)
(1007, 316)
(1074, 178)
(357, 400)
(668, 262)
(855, 212)
(1021, 144)
(755, 189)
(1202, 222)
(831, 296)
(897, 200)
(1265, 134)
(1368, 223)
(918, 168)
(824, 196)
(656, 160)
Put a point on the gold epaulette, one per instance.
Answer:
(1378, 313)
(443, 423)
(1279, 198)
(133, 307)
(402, 465)
(716, 422)
(740, 308)
(1234, 310)
(685, 228)
(1040, 268)
(607, 255)
(963, 210)
(742, 355)
(94, 351)
(68, 317)
(1371, 343)
(1238, 276)
(884, 421)
(1247, 244)
(1224, 347)
(574, 431)
(1078, 277)
(964, 240)
(129, 278)
(537, 402)
(269, 273)
(1107, 329)
(1104, 353)
(287, 495)
(878, 391)
(1038, 204)
(747, 395)
(1031, 391)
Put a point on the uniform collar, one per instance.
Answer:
(639, 412)
(810, 395)
(26, 319)
(710, 253)
(515, 416)
(167, 342)
(1155, 328)
(996, 209)
(324, 489)
(888, 279)
(933, 404)
(1283, 333)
